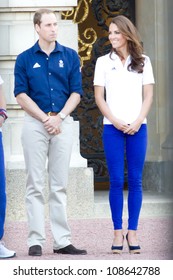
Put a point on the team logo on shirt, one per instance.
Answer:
(61, 63)
(36, 65)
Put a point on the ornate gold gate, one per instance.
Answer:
(93, 18)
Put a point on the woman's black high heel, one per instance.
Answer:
(117, 249)
(133, 249)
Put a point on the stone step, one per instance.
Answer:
(82, 201)
(154, 204)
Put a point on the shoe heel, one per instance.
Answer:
(117, 249)
(133, 249)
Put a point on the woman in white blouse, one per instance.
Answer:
(126, 75)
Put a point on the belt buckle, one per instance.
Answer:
(49, 114)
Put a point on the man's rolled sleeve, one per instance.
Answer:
(21, 82)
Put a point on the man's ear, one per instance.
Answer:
(37, 28)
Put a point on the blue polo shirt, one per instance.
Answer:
(48, 80)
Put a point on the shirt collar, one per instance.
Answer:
(58, 47)
(114, 56)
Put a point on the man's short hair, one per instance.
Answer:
(38, 15)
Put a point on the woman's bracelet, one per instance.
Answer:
(3, 113)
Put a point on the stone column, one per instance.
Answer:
(167, 146)
(152, 23)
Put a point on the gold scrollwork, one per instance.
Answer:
(89, 34)
(79, 15)
(67, 14)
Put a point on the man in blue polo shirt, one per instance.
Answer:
(48, 87)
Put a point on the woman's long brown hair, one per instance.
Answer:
(135, 49)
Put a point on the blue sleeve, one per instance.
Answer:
(20, 75)
(75, 79)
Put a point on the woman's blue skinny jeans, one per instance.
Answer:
(116, 144)
(2, 189)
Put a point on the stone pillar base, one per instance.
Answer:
(80, 194)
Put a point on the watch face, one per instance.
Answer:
(62, 115)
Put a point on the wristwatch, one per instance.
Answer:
(62, 115)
